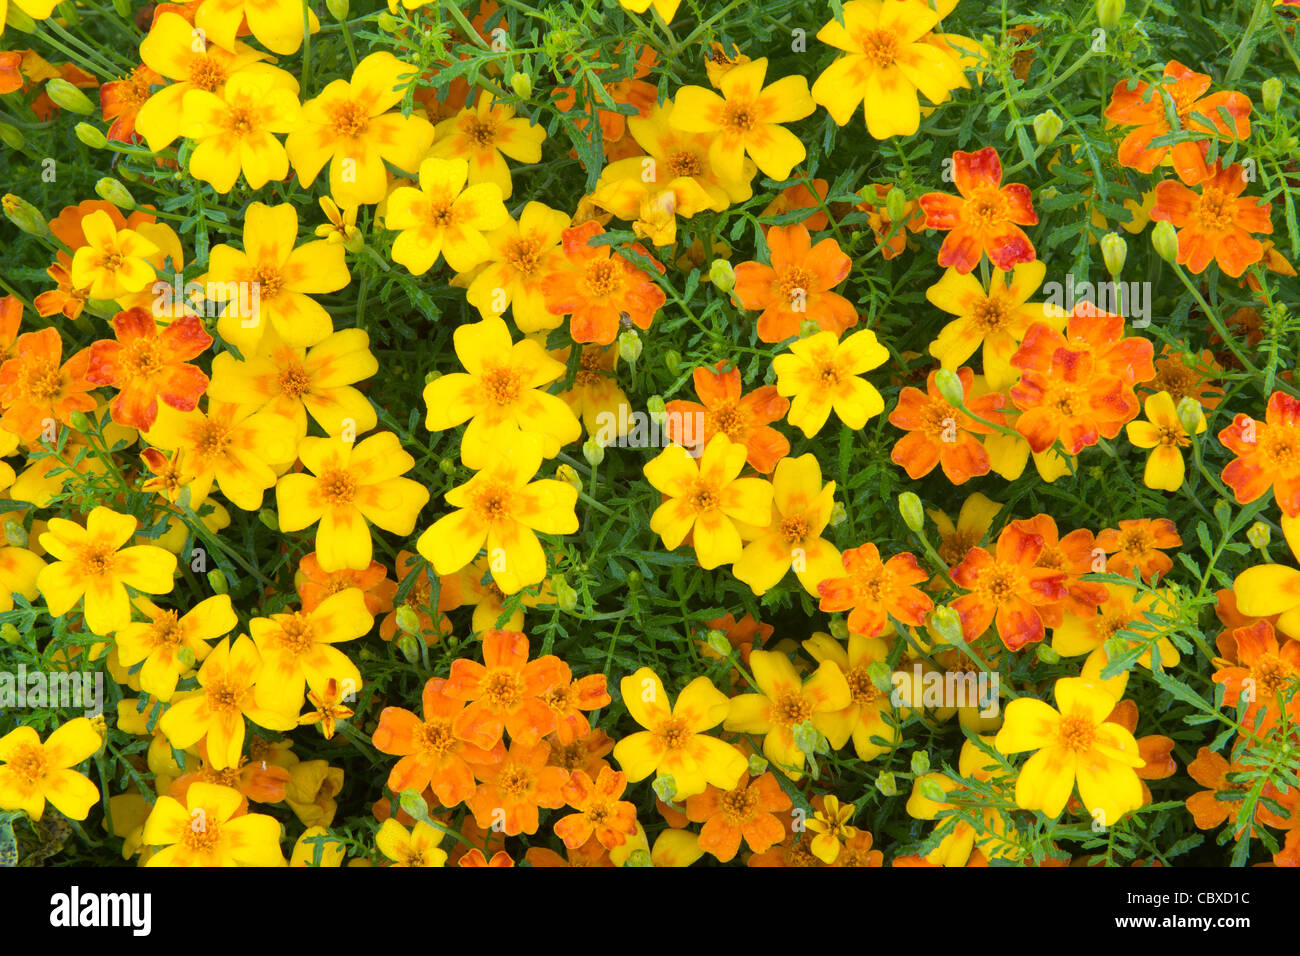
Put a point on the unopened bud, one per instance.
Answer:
(672, 360)
(408, 619)
(629, 346)
(92, 136)
(809, 739)
(881, 677)
(12, 136)
(722, 275)
(1116, 647)
(413, 805)
(1114, 250)
(79, 421)
(217, 581)
(269, 518)
(839, 514)
(15, 534)
(410, 648)
(757, 765)
(1164, 238)
(950, 387)
(1047, 126)
(112, 190)
(718, 643)
(656, 408)
(522, 84)
(1270, 94)
(447, 466)
(63, 94)
(909, 506)
(593, 450)
(895, 204)
(839, 629)
(566, 598)
(886, 783)
(22, 213)
(185, 657)
(569, 475)
(338, 9)
(1046, 655)
(1259, 535)
(1190, 415)
(808, 328)
(920, 763)
(10, 634)
(946, 625)
(930, 789)
(665, 787)
(1109, 13)
(388, 23)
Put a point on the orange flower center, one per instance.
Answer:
(731, 421)
(523, 256)
(791, 708)
(861, 688)
(880, 47)
(987, 207)
(269, 281)
(241, 120)
(441, 212)
(590, 372)
(1280, 445)
(955, 546)
(674, 733)
(44, 380)
(294, 381)
(349, 119)
(739, 117)
(207, 74)
(939, 421)
(794, 529)
(828, 374)
(296, 635)
(338, 487)
(1077, 733)
(738, 805)
(492, 503)
(603, 279)
(434, 738)
(165, 631)
(201, 834)
(684, 162)
(142, 358)
(1171, 435)
(502, 689)
(703, 498)
(990, 315)
(515, 782)
(502, 384)
(1001, 584)
(224, 696)
(570, 756)
(481, 131)
(795, 285)
(1215, 210)
(1271, 674)
(95, 561)
(29, 764)
(225, 778)
(1136, 541)
(211, 439)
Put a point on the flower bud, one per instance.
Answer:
(949, 385)
(1190, 415)
(809, 739)
(722, 275)
(269, 518)
(1114, 250)
(920, 763)
(881, 676)
(718, 643)
(1270, 94)
(65, 95)
(522, 84)
(185, 657)
(1259, 535)
(566, 598)
(634, 580)
(388, 23)
(593, 450)
(629, 346)
(12, 136)
(1046, 655)
(15, 534)
(1047, 126)
(895, 204)
(656, 408)
(1164, 238)
(413, 805)
(665, 787)
(217, 581)
(569, 475)
(639, 858)
(1109, 13)
(22, 213)
(338, 9)
(672, 360)
(757, 765)
(1116, 647)
(92, 136)
(946, 625)
(112, 190)
(909, 506)
(410, 648)
(839, 514)
(408, 619)
(930, 789)
(10, 634)
(886, 783)
(79, 421)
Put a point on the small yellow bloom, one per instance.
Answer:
(480, 134)
(821, 375)
(299, 647)
(444, 218)
(33, 773)
(522, 254)
(205, 831)
(113, 262)
(1164, 433)
(832, 828)
(415, 847)
(801, 510)
(234, 130)
(159, 641)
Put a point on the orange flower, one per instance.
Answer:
(1072, 554)
(1007, 589)
(631, 91)
(1147, 110)
(567, 699)
(1100, 334)
(746, 811)
(1072, 401)
(148, 364)
(876, 590)
(1266, 453)
(121, 100)
(511, 791)
(1137, 544)
(939, 434)
(797, 285)
(743, 419)
(892, 236)
(1211, 770)
(433, 754)
(600, 812)
(1187, 375)
(1215, 225)
(314, 584)
(985, 218)
(799, 197)
(35, 386)
(1263, 671)
(419, 595)
(599, 288)
(504, 693)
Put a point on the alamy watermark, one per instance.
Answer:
(208, 300)
(935, 689)
(56, 690)
(1129, 299)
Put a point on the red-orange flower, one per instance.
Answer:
(742, 418)
(747, 811)
(797, 285)
(1138, 543)
(1070, 401)
(1100, 334)
(1268, 454)
(1264, 669)
(1007, 588)
(147, 364)
(600, 811)
(504, 692)
(121, 100)
(451, 595)
(985, 218)
(314, 584)
(599, 288)
(1074, 555)
(511, 791)
(568, 698)
(875, 590)
(1216, 224)
(940, 434)
(36, 386)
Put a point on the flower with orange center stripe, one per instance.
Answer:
(350, 126)
(415, 847)
(501, 394)
(985, 218)
(158, 641)
(568, 698)
(91, 562)
(147, 364)
(597, 288)
(784, 701)
(875, 590)
(1071, 401)
(209, 830)
(600, 811)
(742, 418)
(801, 510)
(328, 707)
(314, 584)
(114, 261)
(33, 773)
(822, 375)
(522, 253)
(279, 25)
(1140, 544)
(351, 486)
(705, 499)
(1216, 224)
(502, 509)
(1164, 434)
(940, 434)
(1076, 554)
(596, 397)
(36, 386)
(505, 693)
(831, 824)
(747, 810)
(864, 717)
(1100, 334)
(1266, 670)
(481, 134)
(298, 647)
(797, 285)
(1268, 454)
(216, 713)
(511, 791)
(444, 218)
(1006, 589)
(745, 120)
(433, 754)
(1124, 610)
(1075, 742)
(674, 742)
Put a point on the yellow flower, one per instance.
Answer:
(595, 391)
(205, 831)
(500, 394)
(821, 375)
(745, 119)
(331, 850)
(349, 125)
(501, 508)
(521, 255)
(268, 284)
(216, 714)
(666, 9)
(1125, 609)
(233, 130)
(300, 646)
(801, 509)
(1163, 431)
(159, 641)
(36, 9)
(832, 828)
(277, 24)
(887, 63)
(673, 742)
(415, 847)
(114, 261)
(342, 225)
(310, 793)
(706, 499)
(783, 701)
(864, 717)
(481, 133)
(32, 773)
(19, 569)
(350, 487)
(1274, 588)
(1075, 742)
(444, 218)
(91, 562)
(974, 521)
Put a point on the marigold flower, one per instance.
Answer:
(158, 641)
(974, 521)
(208, 830)
(1007, 588)
(277, 24)
(831, 824)
(113, 261)
(600, 811)
(91, 562)
(1071, 402)
(1076, 554)
(876, 589)
(444, 218)
(1215, 225)
(33, 773)
(567, 698)
(1266, 669)
(120, 102)
(1266, 454)
(940, 434)
(36, 386)
(504, 693)
(522, 254)
(985, 218)
(481, 134)
(821, 375)
(864, 717)
(1208, 811)
(1163, 431)
(299, 647)
(723, 409)
(801, 510)
(511, 791)
(797, 285)
(147, 364)
(1123, 608)
(1075, 742)
(1140, 543)
(748, 810)
(327, 708)
(745, 120)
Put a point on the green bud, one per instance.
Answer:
(1116, 647)
(909, 506)
(930, 789)
(269, 518)
(217, 581)
(718, 643)
(629, 346)
(10, 634)
(809, 739)
(1164, 238)
(410, 648)
(839, 629)
(15, 534)
(112, 190)
(338, 9)
(1114, 250)
(881, 676)
(950, 387)
(447, 466)
(67, 96)
(886, 783)
(1109, 13)
(185, 656)
(12, 136)
(808, 328)
(895, 204)
(656, 407)
(388, 23)
(839, 514)
(569, 475)
(634, 580)
(91, 135)
(920, 764)
(79, 421)
(22, 213)
(1190, 415)
(757, 765)
(1046, 655)
(639, 858)
(522, 84)
(665, 787)
(672, 360)
(722, 275)
(408, 619)
(413, 805)
(432, 377)
(1270, 94)
(1047, 126)
(593, 451)
(946, 624)
(566, 598)
(1259, 535)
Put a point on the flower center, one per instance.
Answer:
(44, 380)
(338, 487)
(206, 74)
(492, 503)
(295, 637)
(987, 207)
(990, 315)
(1271, 674)
(794, 285)
(202, 834)
(211, 439)
(28, 763)
(684, 162)
(224, 696)
(268, 281)
(95, 561)
(142, 358)
(1077, 733)
(1136, 541)
(731, 421)
(514, 782)
(674, 733)
(166, 630)
(434, 738)
(739, 117)
(1171, 435)
(481, 132)
(880, 47)
(703, 498)
(241, 120)
(1001, 584)
(791, 708)
(1279, 446)
(862, 690)
(738, 805)
(294, 381)
(523, 255)
(1215, 210)
(349, 119)
(502, 384)
(603, 279)
(794, 529)
(502, 689)
(440, 213)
